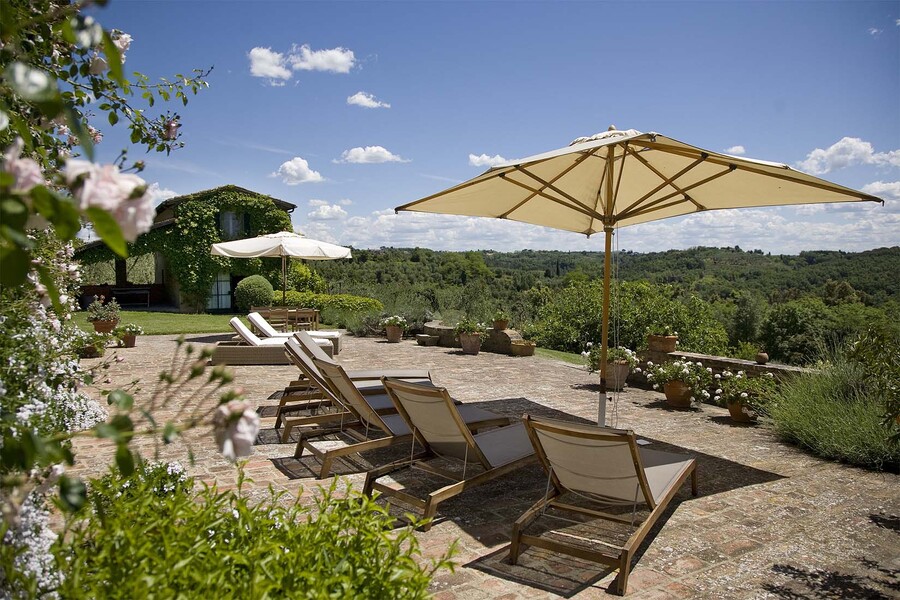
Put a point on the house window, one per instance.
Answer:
(220, 293)
(231, 225)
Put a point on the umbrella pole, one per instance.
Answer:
(604, 336)
(283, 280)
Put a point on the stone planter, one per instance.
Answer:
(104, 326)
(423, 339)
(741, 413)
(128, 341)
(616, 374)
(394, 333)
(522, 348)
(470, 342)
(762, 358)
(678, 395)
(662, 343)
(501, 324)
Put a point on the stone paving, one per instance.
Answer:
(770, 521)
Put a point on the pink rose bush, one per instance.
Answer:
(121, 194)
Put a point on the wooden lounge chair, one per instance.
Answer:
(368, 423)
(607, 467)
(307, 342)
(440, 427)
(251, 339)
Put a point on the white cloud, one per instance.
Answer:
(335, 60)
(875, 32)
(264, 62)
(845, 153)
(366, 100)
(327, 212)
(735, 150)
(883, 189)
(345, 201)
(369, 154)
(159, 194)
(485, 161)
(297, 171)
(314, 202)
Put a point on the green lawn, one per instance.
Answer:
(156, 323)
(575, 359)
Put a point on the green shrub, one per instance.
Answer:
(149, 536)
(253, 291)
(344, 302)
(836, 413)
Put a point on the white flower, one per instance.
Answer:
(693, 399)
(649, 363)
(769, 375)
(719, 391)
(717, 398)
(25, 171)
(590, 344)
(98, 65)
(637, 370)
(236, 426)
(709, 369)
(743, 394)
(585, 354)
(717, 376)
(122, 42)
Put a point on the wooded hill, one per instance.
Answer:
(711, 273)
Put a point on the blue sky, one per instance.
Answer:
(815, 85)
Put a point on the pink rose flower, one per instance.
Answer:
(235, 425)
(122, 194)
(27, 172)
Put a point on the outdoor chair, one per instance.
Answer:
(308, 343)
(439, 425)
(266, 331)
(391, 428)
(251, 339)
(603, 467)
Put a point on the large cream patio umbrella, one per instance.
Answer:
(619, 178)
(285, 244)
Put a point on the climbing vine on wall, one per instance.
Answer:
(185, 245)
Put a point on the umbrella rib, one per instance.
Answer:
(654, 205)
(549, 184)
(586, 212)
(666, 181)
(577, 162)
(819, 184)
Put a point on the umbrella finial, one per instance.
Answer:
(611, 128)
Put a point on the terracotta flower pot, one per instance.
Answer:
(678, 395)
(762, 358)
(741, 413)
(616, 374)
(394, 333)
(522, 348)
(470, 342)
(104, 326)
(662, 343)
(128, 341)
(501, 324)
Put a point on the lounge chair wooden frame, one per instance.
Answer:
(621, 559)
(458, 484)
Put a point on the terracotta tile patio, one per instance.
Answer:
(770, 522)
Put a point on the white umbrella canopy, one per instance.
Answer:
(285, 244)
(620, 178)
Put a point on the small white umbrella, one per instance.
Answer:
(285, 244)
(619, 178)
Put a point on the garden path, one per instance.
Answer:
(770, 522)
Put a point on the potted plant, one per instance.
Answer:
(682, 381)
(469, 333)
(105, 317)
(127, 334)
(501, 320)
(522, 348)
(394, 327)
(745, 396)
(92, 345)
(619, 363)
(662, 338)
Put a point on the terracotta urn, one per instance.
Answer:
(762, 358)
(616, 374)
(501, 324)
(678, 394)
(104, 326)
(662, 343)
(128, 341)
(394, 333)
(470, 342)
(741, 413)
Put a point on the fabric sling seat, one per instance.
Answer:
(391, 428)
(440, 427)
(605, 467)
(309, 345)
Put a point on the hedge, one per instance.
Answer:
(323, 301)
